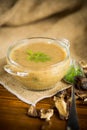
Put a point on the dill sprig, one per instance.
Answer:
(37, 56)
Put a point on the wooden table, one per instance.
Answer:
(13, 114)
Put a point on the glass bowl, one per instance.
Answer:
(42, 78)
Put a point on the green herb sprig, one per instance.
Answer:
(74, 70)
(37, 56)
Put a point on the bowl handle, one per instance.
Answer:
(12, 71)
(67, 43)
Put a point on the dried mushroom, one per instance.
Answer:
(46, 114)
(81, 82)
(62, 94)
(61, 106)
(86, 74)
(85, 100)
(33, 112)
(41, 113)
(82, 95)
(83, 64)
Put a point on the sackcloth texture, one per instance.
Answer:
(20, 19)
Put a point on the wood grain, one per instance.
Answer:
(13, 114)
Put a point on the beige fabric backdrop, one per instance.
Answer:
(50, 18)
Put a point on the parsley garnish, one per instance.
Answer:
(74, 70)
(37, 56)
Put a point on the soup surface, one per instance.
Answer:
(22, 55)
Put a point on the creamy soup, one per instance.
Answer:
(36, 64)
(54, 52)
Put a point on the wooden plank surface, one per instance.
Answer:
(13, 114)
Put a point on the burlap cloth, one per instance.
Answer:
(26, 95)
(21, 19)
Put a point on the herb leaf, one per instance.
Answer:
(37, 56)
(74, 70)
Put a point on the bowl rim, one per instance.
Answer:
(64, 43)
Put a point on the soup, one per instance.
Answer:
(21, 56)
(38, 63)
